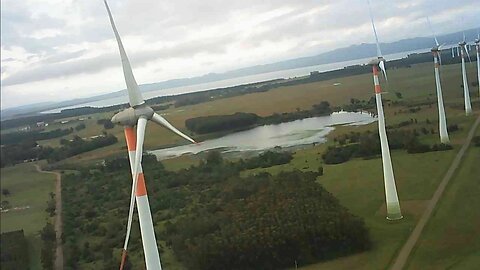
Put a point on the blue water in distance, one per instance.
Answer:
(286, 74)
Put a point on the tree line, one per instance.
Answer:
(241, 121)
(36, 135)
(30, 150)
(367, 144)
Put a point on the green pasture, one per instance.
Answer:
(413, 83)
(27, 188)
(451, 239)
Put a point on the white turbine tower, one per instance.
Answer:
(466, 93)
(477, 45)
(138, 115)
(393, 205)
(442, 121)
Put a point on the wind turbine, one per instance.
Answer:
(477, 45)
(466, 92)
(437, 60)
(393, 205)
(138, 115)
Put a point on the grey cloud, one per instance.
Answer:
(59, 68)
(17, 23)
(175, 21)
(9, 59)
(62, 57)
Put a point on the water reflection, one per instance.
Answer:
(290, 134)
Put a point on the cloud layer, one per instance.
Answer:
(60, 49)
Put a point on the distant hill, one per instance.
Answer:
(352, 52)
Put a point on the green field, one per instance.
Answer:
(451, 240)
(412, 83)
(358, 184)
(27, 188)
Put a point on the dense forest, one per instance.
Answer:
(210, 216)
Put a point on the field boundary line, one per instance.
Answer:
(58, 264)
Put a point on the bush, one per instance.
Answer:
(216, 123)
(336, 155)
(452, 128)
(267, 159)
(476, 141)
(80, 127)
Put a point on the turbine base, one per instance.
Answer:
(394, 217)
(445, 140)
(393, 211)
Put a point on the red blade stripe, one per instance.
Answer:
(124, 258)
(141, 188)
(131, 138)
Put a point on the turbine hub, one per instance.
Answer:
(376, 61)
(130, 116)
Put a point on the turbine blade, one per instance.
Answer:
(384, 70)
(433, 32)
(134, 95)
(440, 57)
(141, 126)
(379, 52)
(468, 54)
(162, 121)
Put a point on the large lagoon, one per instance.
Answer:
(285, 135)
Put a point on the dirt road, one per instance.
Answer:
(402, 257)
(58, 218)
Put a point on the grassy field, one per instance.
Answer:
(411, 82)
(358, 184)
(451, 240)
(27, 188)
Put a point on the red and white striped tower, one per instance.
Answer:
(442, 121)
(149, 241)
(138, 114)
(391, 197)
(392, 202)
(466, 92)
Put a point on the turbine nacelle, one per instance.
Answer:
(376, 61)
(462, 44)
(129, 117)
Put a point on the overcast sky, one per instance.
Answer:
(53, 50)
